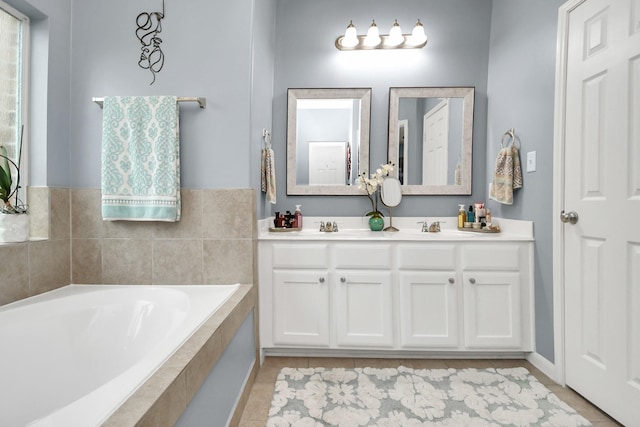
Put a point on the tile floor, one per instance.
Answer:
(257, 408)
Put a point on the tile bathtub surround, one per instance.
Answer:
(43, 263)
(164, 396)
(217, 229)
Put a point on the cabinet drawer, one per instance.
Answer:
(300, 256)
(427, 257)
(491, 257)
(358, 256)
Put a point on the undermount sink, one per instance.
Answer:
(444, 233)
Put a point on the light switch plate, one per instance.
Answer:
(531, 161)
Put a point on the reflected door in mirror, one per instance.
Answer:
(430, 138)
(327, 140)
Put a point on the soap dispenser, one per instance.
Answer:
(298, 216)
(462, 216)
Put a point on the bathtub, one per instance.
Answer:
(72, 356)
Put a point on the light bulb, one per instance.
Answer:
(350, 38)
(395, 35)
(417, 35)
(373, 36)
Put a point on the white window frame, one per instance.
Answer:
(25, 53)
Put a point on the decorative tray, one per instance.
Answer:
(283, 229)
(481, 230)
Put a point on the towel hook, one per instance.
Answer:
(509, 133)
(267, 137)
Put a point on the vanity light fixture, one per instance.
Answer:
(374, 40)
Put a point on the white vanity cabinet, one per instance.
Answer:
(384, 292)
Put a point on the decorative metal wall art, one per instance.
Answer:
(149, 26)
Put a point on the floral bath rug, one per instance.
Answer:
(392, 397)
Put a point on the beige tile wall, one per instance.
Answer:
(213, 243)
(38, 266)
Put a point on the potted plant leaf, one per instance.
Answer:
(14, 220)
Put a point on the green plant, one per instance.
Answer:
(7, 190)
(370, 185)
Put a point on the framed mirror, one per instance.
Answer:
(430, 138)
(327, 140)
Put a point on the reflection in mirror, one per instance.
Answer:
(391, 196)
(327, 140)
(430, 138)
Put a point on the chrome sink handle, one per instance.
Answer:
(425, 226)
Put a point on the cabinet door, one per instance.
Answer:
(364, 308)
(300, 308)
(428, 309)
(492, 310)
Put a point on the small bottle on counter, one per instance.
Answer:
(470, 215)
(298, 216)
(462, 216)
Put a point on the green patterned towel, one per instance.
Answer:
(140, 158)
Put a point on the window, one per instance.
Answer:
(14, 30)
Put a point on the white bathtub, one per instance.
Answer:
(70, 357)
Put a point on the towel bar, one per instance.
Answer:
(200, 100)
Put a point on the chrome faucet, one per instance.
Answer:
(434, 227)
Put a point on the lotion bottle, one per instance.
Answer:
(462, 216)
(470, 215)
(298, 216)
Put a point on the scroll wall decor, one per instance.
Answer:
(149, 26)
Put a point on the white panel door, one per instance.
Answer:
(492, 309)
(364, 308)
(602, 185)
(300, 308)
(435, 149)
(327, 163)
(428, 309)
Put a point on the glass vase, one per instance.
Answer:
(376, 223)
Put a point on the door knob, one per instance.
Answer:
(570, 217)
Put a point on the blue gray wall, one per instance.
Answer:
(457, 54)
(521, 96)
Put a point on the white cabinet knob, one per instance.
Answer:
(343, 279)
(321, 280)
(452, 280)
(472, 281)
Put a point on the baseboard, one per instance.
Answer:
(395, 354)
(544, 365)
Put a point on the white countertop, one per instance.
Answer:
(410, 229)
